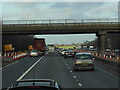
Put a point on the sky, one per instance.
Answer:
(60, 10)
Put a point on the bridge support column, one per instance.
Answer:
(101, 42)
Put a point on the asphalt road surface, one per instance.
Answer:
(54, 66)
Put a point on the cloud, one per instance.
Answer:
(59, 10)
(60, 0)
(25, 4)
(107, 10)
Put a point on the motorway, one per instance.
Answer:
(54, 66)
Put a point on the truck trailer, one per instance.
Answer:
(39, 45)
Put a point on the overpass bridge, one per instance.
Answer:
(63, 26)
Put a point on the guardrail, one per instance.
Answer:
(61, 21)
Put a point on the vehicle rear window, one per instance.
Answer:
(30, 88)
(84, 56)
(36, 83)
(33, 51)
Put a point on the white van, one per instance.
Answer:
(51, 49)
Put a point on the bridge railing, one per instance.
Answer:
(61, 21)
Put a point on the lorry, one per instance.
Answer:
(39, 45)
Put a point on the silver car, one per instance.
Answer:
(33, 53)
(83, 61)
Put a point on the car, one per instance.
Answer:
(33, 53)
(109, 52)
(35, 84)
(63, 52)
(83, 61)
(69, 53)
(60, 50)
(117, 52)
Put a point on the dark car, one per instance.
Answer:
(109, 52)
(69, 53)
(60, 50)
(117, 52)
(63, 52)
(35, 84)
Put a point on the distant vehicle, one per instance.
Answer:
(117, 51)
(46, 48)
(63, 52)
(83, 61)
(51, 49)
(60, 50)
(39, 45)
(107, 50)
(35, 84)
(91, 47)
(33, 53)
(85, 48)
(69, 53)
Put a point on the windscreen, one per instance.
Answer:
(70, 51)
(84, 56)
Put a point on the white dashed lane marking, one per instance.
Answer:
(72, 74)
(79, 84)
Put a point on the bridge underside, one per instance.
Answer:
(58, 29)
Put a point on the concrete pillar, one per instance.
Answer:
(101, 42)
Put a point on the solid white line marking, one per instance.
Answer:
(9, 64)
(80, 84)
(29, 69)
(106, 72)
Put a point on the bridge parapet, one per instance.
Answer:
(61, 21)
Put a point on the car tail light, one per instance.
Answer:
(91, 64)
(75, 60)
(30, 53)
(72, 53)
(92, 60)
(66, 53)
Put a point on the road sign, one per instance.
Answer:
(8, 47)
(30, 47)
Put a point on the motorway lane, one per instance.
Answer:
(52, 67)
(11, 73)
(56, 67)
(99, 78)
